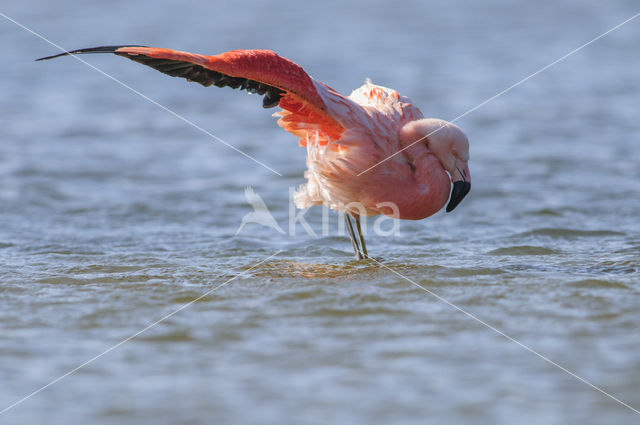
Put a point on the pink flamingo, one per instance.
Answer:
(367, 154)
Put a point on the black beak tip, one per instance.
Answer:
(460, 190)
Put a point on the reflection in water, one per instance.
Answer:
(295, 269)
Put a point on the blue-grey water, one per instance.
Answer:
(114, 213)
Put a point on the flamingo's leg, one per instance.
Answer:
(352, 235)
(360, 235)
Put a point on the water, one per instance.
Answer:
(114, 214)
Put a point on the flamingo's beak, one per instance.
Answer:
(461, 185)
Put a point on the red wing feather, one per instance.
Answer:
(301, 100)
(282, 82)
(263, 66)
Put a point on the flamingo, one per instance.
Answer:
(370, 153)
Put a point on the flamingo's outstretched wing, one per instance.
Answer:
(282, 82)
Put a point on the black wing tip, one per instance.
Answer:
(99, 49)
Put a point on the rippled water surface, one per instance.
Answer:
(114, 214)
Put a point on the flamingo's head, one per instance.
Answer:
(450, 145)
